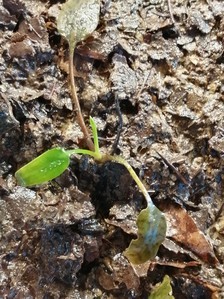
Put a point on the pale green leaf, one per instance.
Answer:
(151, 224)
(162, 290)
(78, 19)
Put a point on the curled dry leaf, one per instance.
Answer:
(78, 19)
(184, 231)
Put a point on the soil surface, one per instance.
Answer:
(151, 73)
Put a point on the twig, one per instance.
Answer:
(34, 30)
(120, 125)
(76, 102)
(143, 84)
(221, 209)
(170, 11)
(10, 108)
(52, 91)
(175, 170)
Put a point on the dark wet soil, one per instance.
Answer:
(65, 239)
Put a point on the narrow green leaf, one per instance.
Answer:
(162, 290)
(44, 168)
(97, 153)
(78, 19)
(151, 224)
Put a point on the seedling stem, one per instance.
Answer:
(75, 98)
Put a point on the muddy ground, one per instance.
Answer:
(65, 239)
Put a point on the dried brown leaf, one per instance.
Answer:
(184, 231)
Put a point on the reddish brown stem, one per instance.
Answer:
(77, 107)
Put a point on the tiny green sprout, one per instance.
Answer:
(96, 154)
(44, 168)
(162, 290)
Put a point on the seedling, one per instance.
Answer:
(151, 221)
(78, 19)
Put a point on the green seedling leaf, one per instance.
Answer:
(44, 168)
(78, 19)
(162, 290)
(151, 224)
(97, 153)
